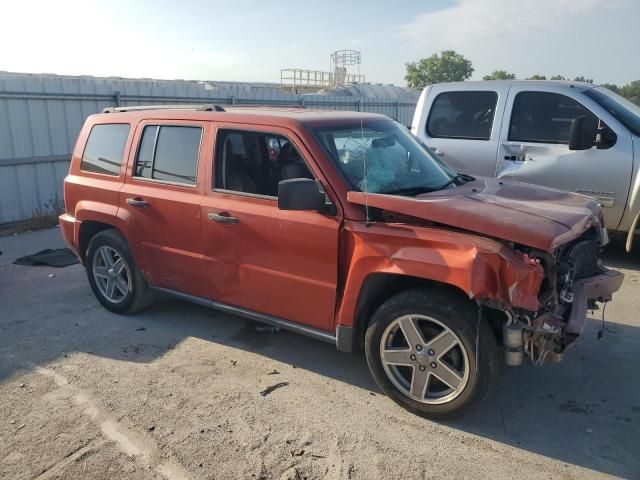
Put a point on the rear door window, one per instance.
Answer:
(105, 149)
(169, 153)
(462, 115)
(544, 117)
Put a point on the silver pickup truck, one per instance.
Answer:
(567, 135)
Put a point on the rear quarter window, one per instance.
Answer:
(104, 150)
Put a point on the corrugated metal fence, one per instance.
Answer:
(41, 115)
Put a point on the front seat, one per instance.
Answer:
(235, 168)
(290, 165)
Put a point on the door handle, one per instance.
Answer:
(437, 152)
(137, 202)
(518, 158)
(222, 218)
(514, 158)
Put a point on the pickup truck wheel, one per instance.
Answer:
(114, 278)
(421, 350)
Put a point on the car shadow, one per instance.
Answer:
(580, 411)
(584, 410)
(616, 256)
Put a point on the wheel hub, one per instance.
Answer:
(423, 359)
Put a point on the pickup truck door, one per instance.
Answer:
(462, 125)
(257, 257)
(534, 147)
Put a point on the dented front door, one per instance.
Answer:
(534, 148)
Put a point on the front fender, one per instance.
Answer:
(483, 269)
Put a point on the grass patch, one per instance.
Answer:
(45, 217)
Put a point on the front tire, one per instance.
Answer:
(113, 275)
(421, 350)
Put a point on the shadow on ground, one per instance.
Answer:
(616, 256)
(584, 411)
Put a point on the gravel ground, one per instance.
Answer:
(174, 392)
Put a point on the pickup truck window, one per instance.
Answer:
(626, 112)
(394, 160)
(105, 148)
(543, 117)
(462, 115)
(169, 153)
(255, 162)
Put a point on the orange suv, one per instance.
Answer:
(341, 226)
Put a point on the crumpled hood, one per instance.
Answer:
(527, 214)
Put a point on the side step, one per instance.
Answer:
(259, 317)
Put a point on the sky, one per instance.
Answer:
(251, 40)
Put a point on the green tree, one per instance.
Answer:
(582, 79)
(558, 77)
(631, 91)
(537, 77)
(500, 75)
(614, 88)
(449, 66)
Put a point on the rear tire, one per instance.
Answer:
(113, 275)
(421, 350)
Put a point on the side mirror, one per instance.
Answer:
(583, 133)
(300, 194)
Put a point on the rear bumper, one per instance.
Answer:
(599, 287)
(69, 227)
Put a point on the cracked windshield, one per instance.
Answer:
(394, 161)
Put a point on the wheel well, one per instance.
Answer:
(88, 230)
(379, 287)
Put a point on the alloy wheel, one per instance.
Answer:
(424, 359)
(111, 274)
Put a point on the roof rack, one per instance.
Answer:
(269, 105)
(201, 108)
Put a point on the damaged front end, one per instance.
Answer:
(545, 277)
(574, 281)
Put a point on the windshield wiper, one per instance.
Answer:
(410, 191)
(465, 177)
(460, 177)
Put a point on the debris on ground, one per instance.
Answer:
(22, 385)
(273, 372)
(151, 428)
(297, 453)
(270, 389)
(51, 275)
(21, 426)
(140, 329)
(265, 328)
(59, 257)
